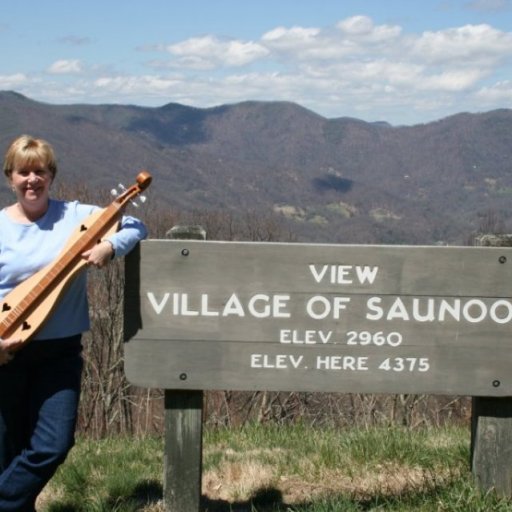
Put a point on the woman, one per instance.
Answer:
(40, 384)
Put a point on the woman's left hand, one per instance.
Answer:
(100, 255)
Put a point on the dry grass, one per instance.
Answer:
(239, 481)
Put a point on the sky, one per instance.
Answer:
(401, 61)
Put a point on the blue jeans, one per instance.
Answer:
(39, 394)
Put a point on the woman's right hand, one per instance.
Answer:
(7, 349)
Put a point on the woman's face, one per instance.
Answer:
(31, 184)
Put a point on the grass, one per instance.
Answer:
(282, 469)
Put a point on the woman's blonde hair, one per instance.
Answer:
(27, 150)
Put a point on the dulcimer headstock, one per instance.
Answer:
(142, 182)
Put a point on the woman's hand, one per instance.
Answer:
(100, 254)
(7, 347)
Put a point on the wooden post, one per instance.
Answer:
(183, 450)
(491, 424)
(491, 444)
(183, 430)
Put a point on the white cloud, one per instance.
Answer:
(295, 38)
(363, 28)
(13, 81)
(470, 42)
(65, 67)
(351, 37)
(304, 44)
(356, 25)
(500, 92)
(135, 85)
(208, 52)
(452, 81)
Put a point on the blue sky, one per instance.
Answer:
(401, 61)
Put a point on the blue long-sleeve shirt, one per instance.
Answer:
(27, 248)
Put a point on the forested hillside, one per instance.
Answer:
(333, 180)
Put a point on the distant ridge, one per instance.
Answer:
(335, 180)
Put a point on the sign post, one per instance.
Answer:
(183, 443)
(328, 318)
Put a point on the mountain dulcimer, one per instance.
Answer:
(24, 310)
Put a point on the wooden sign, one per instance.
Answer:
(302, 317)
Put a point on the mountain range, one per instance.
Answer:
(337, 180)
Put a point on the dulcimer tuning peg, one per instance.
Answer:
(140, 198)
(115, 192)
